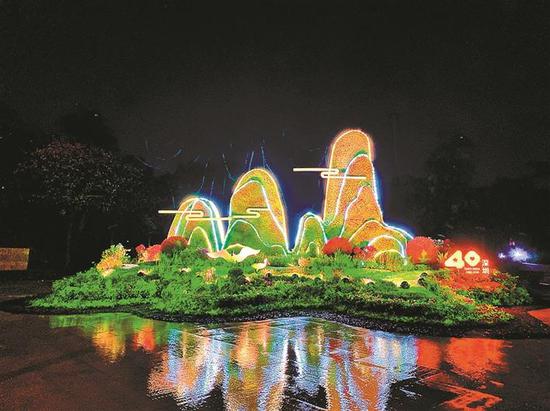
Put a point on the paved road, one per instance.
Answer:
(119, 361)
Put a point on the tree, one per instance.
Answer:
(87, 127)
(75, 180)
(516, 208)
(443, 196)
(17, 140)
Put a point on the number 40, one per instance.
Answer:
(457, 261)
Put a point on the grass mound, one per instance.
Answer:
(187, 282)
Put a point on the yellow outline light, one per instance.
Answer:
(283, 228)
(339, 197)
(204, 234)
(381, 225)
(331, 157)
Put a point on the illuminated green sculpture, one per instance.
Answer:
(257, 216)
(203, 229)
(257, 191)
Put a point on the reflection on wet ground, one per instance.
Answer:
(290, 363)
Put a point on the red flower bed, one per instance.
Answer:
(462, 281)
(366, 253)
(422, 250)
(148, 254)
(338, 244)
(370, 251)
(171, 244)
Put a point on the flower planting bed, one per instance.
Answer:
(182, 284)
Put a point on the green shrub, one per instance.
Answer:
(281, 260)
(171, 287)
(422, 282)
(504, 297)
(384, 286)
(236, 276)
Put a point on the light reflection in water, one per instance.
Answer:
(294, 361)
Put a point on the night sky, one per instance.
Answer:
(178, 79)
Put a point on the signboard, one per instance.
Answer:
(468, 260)
(14, 259)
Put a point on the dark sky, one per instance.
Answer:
(229, 76)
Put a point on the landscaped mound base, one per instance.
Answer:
(189, 284)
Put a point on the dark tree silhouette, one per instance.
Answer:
(17, 140)
(76, 181)
(443, 197)
(87, 127)
(517, 209)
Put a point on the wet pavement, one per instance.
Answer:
(120, 361)
(542, 315)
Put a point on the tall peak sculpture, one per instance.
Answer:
(257, 215)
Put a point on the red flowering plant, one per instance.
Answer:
(459, 280)
(358, 253)
(173, 244)
(366, 253)
(497, 288)
(140, 249)
(371, 251)
(338, 244)
(422, 250)
(148, 254)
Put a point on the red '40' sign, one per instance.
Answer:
(468, 260)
